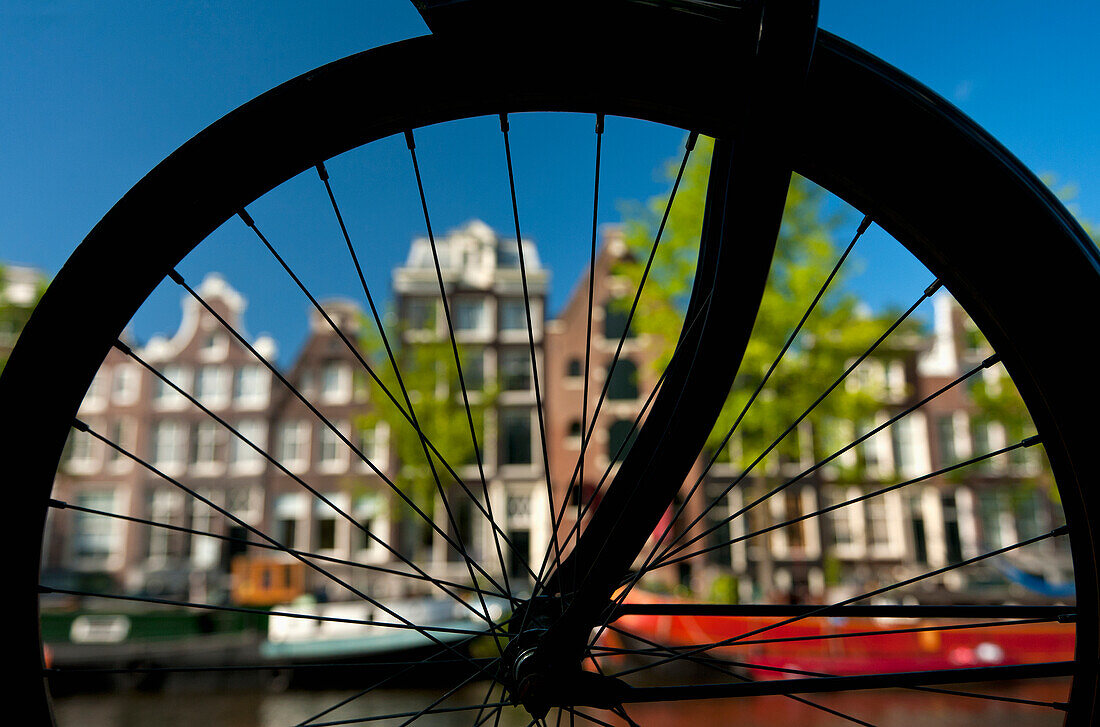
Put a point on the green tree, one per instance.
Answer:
(838, 331)
(16, 308)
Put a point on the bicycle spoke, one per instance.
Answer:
(283, 469)
(357, 666)
(530, 336)
(178, 279)
(460, 546)
(1029, 442)
(723, 667)
(689, 147)
(846, 683)
(324, 175)
(406, 626)
(591, 500)
(587, 332)
(820, 637)
(721, 664)
(305, 561)
(862, 228)
(61, 505)
(829, 608)
(621, 597)
(928, 292)
(411, 143)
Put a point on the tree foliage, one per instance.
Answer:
(838, 331)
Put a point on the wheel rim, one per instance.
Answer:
(1068, 268)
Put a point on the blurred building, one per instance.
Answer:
(929, 522)
(317, 476)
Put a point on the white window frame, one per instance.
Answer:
(166, 506)
(125, 384)
(256, 394)
(336, 390)
(243, 459)
(379, 450)
(110, 530)
(341, 533)
(212, 385)
(853, 517)
(165, 398)
(84, 452)
(207, 435)
(326, 438)
(300, 431)
(168, 445)
(376, 507)
(292, 506)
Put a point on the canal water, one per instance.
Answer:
(265, 708)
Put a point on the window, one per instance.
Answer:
(167, 507)
(289, 510)
(332, 454)
(878, 524)
(515, 370)
(205, 552)
(121, 433)
(205, 441)
(326, 533)
(420, 314)
(293, 443)
(792, 507)
(164, 396)
(618, 443)
(624, 381)
(94, 536)
(847, 521)
(910, 446)
(212, 386)
(513, 315)
(250, 386)
(329, 532)
(979, 442)
(374, 444)
(125, 384)
(169, 444)
(370, 512)
(469, 315)
(335, 383)
(242, 456)
(515, 436)
(945, 440)
(80, 451)
(616, 316)
(473, 369)
(519, 507)
(574, 368)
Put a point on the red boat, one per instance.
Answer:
(825, 645)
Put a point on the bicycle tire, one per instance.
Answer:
(871, 135)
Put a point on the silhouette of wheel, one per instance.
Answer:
(865, 131)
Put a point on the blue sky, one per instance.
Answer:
(95, 94)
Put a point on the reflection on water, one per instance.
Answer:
(257, 708)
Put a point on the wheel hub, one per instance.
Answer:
(541, 675)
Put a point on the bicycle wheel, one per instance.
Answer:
(872, 136)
